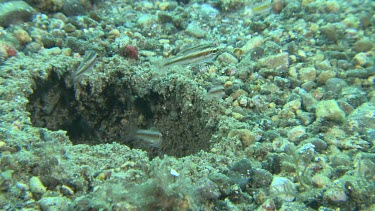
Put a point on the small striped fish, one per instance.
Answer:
(191, 56)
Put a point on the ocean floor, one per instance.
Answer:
(187, 105)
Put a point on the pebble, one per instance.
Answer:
(68, 28)
(252, 43)
(227, 58)
(244, 135)
(329, 110)
(277, 62)
(55, 203)
(307, 74)
(320, 181)
(363, 45)
(335, 85)
(296, 133)
(145, 21)
(363, 117)
(36, 186)
(335, 195)
(324, 76)
(22, 36)
(195, 31)
(361, 59)
(15, 11)
(283, 188)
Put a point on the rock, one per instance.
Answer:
(36, 186)
(165, 17)
(283, 188)
(22, 36)
(145, 21)
(296, 133)
(307, 74)
(254, 42)
(55, 203)
(245, 136)
(73, 7)
(207, 189)
(335, 195)
(329, 110)
(332, 32)
(68, 28)
(308, 102)
(195, 31)
(335, 85)
(361, 59)
(260, 178)
(362, 117)
(361, 73)
(332, 6)
(320, 181)
(363, 45)
(325, 75)
(227, 58)
(278, 62)
(14, 12)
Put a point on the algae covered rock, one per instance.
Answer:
(15, 12)
(329, 110)
(362, 117)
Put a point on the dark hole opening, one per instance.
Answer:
(151, 122)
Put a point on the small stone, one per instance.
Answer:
(22, 36)
(165, 17)
(293, 105)
(308, 102)
(245, 136)
(278, 62)
(237, 116)
(52, 51)
(296, 133)
(228, 84)
(318, 143)
(145, 21)
(207, 189)
(2, 144)
(362, 117)
(114, 33)
(36, 186)
(260, 178)
(329, 110)
(325, 75)
(242, 101)
(363, 45)
(335, 85)
(227, 58)
(163, 5)
(195, 31)
(254, 42)
(307, 74)
(332, 32)
(55, 203)
(335, 195)
(283, 188)
(68, 28)
(361, 59)
(332, 6)
(320, 181)
(14, 12)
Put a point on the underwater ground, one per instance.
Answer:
(187, 105)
